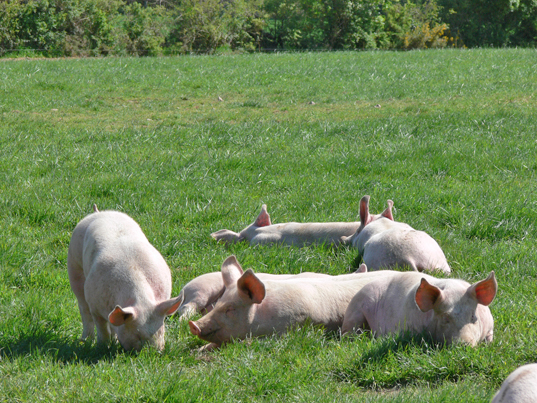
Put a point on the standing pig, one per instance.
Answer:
(448, 309)
(262, 231)
(519, 387)
(253, 307)
(201, 293)
(384, 243)
(120, 280)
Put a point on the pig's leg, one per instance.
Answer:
(77, 281)
(103, 329)
(355, 320)
(226, 236)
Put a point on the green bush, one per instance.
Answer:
(301, 24)
(57, 27)
(9, 26)
(207, 25)
(415, 26)
(492, 23)
(153, 27)
(365, 24)
(89, 28)
(142, 31)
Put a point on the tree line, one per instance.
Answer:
(153, 27)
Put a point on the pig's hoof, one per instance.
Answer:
(208, 347)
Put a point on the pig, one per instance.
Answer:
(121, 282)
(385, 243)
(251, 306)
(263, 232)
(201, 293)
(519, 387)
(450, 310)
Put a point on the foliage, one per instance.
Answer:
(416, 26)
(366, 24)
(152, 27)
(142, 30)
(303, 24)
(207, 25)
(492, 22)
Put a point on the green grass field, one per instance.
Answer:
(453, 144)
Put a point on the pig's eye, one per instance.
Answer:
(474, 318)
(230, 311)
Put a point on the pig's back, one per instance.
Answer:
(301, 234)
(519, 387)
(325, 300)
(115, 242)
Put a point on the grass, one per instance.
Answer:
(452, 143)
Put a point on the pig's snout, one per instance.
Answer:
(194, 329)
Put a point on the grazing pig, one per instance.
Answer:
(120, 280)
(250, 306)
(519, 387)
(262, 231)
(448, 309)
(384, 243)
(201, 293)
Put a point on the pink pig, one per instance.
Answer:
(519, 387)
(385, 243)
(121, 282)
(253, 307)
(262, 231)
(201, 294)
(448, 309)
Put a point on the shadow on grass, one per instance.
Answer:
(357, 261)
(400, 360)
(62, 349)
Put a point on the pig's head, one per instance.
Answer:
(367, 218)
(136, 326)
(229, 237)
(231, 316)
(460, 310)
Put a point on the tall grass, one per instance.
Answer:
(448, 135)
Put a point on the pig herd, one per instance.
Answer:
(123, 286)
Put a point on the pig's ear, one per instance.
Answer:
(169, 307)
(365, 217)
(120, 315)
(252, 286)
(231, 271)
(485, 290)
(427, 295)
(388, 212)
(362, 268)
(263, 219)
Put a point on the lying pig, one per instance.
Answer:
(519, 387)
(262, 231)
(448, 309)
(251, 306)
(384, 243)
(120, 280)
(200, 294)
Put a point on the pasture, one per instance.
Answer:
(449, 136)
